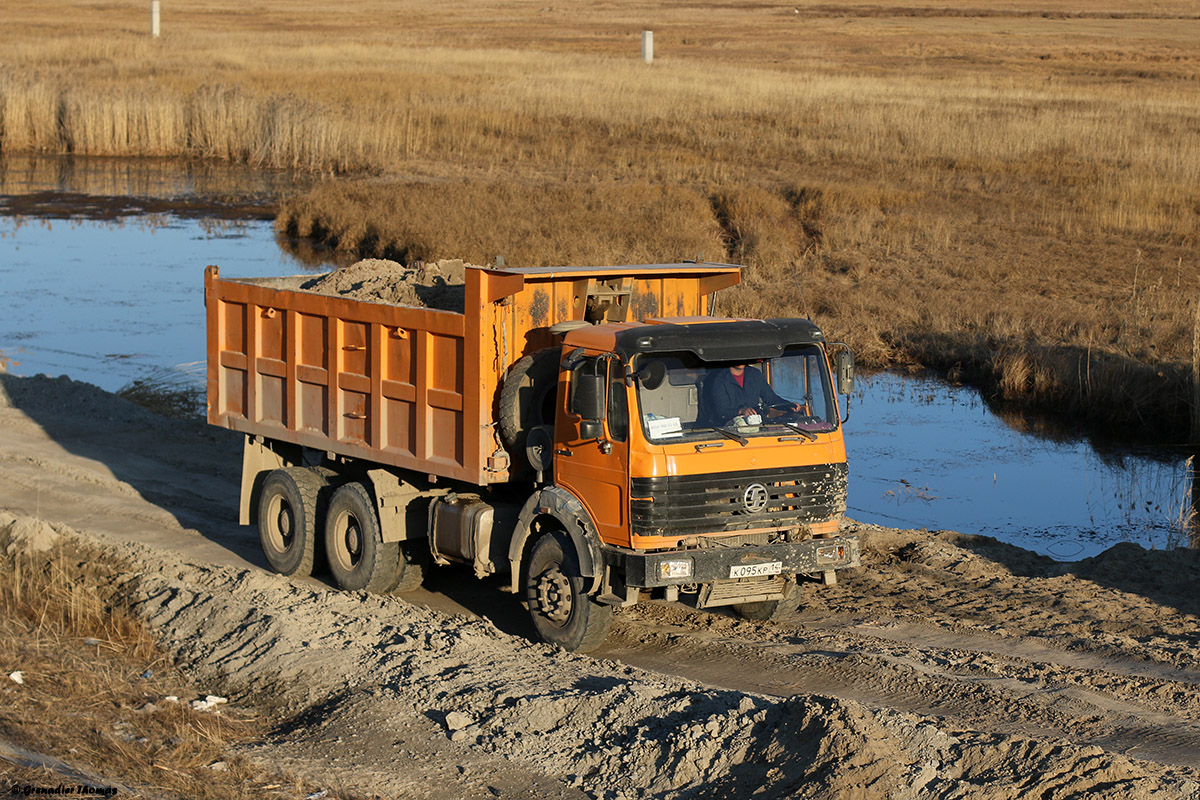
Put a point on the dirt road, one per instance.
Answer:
(946, 667)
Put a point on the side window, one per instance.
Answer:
(818, 400)
(618, 401)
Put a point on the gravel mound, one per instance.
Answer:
(360, 662)
(25, 535)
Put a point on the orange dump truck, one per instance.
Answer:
(590, 433)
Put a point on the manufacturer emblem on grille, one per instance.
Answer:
(754, 499)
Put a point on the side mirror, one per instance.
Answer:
(587, 396)
(845, 372)
(591, 429)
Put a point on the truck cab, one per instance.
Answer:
(688, 494)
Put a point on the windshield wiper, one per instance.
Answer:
(812, 437)
(742, 440)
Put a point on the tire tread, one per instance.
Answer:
(308, 485)
(381, 570)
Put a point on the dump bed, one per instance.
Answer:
(412, 387)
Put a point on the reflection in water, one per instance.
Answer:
(144, 179)
(108, 257)
(924, 454)
(313, 255)
(1190, 520)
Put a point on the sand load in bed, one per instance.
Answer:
(438, 285)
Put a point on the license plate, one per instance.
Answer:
(756, 570)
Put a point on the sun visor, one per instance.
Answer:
(720, 341)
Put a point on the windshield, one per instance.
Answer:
(681, 397)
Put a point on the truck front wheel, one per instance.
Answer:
(562, 612)
(358, 556)
(288, 519)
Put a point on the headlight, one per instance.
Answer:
(675, 568)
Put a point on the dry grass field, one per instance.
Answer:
(91, 689)
(1006, 191)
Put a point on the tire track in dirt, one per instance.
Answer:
(1144, 710)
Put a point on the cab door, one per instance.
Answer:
(591, 457)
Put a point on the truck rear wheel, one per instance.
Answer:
(358, 557)
(289, 519)
(561, 610)
(410, 566)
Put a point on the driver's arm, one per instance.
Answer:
(768, 394)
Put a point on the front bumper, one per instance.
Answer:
(642, 570)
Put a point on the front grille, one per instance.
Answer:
(746, 539)
(684, 505)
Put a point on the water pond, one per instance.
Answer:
(103, 265)
(926, 454)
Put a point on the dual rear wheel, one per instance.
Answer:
(301, 512)
(290, 510)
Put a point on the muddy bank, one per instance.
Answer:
(76, 205)
(357, 684)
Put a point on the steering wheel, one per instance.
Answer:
(784, 413)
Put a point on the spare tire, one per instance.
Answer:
(527, 398)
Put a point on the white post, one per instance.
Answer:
(154, 14)
(648, 46)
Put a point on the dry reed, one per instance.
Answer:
(176, 393)
(988, 190)
(93, 683)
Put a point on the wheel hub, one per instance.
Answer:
(285, 522)
(353, 540)
(555, 599)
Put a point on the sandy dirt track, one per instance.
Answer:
(947, 666)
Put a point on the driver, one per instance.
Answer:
(740, 391)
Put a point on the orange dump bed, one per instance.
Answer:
(411, 387)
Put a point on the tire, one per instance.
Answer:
(359, 559)
(527, 398)
(410, 566)
(290, 519)
(770, 610)
(762, 611)
(561, 611)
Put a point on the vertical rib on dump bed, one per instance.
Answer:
(402, 386)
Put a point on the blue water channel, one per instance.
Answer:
(926, 454)
(113, 301)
